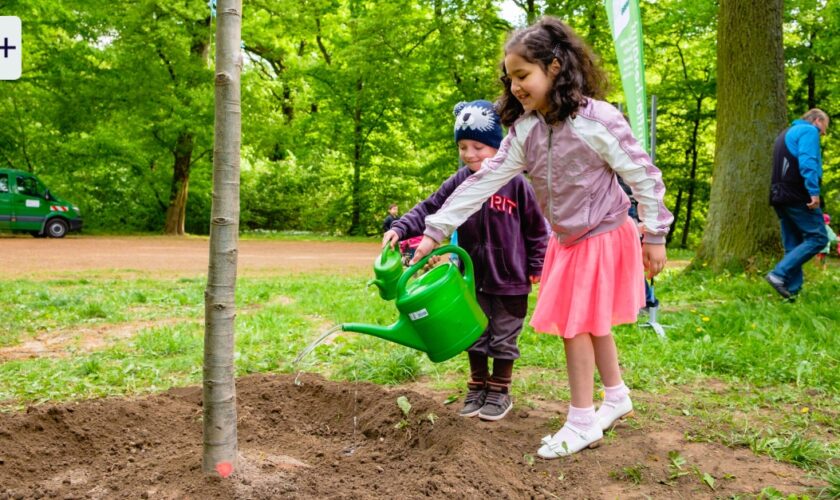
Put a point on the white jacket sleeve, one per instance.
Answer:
(613, 140)
(473, 192)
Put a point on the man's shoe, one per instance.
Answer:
(496, 406)
(778, 285)
(473, 402)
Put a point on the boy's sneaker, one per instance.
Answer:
(473, 402)
(611, 412)
(496, 406)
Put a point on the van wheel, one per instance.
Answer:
(56, 228)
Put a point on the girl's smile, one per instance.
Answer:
(529, 83)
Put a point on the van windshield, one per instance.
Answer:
(30, 186)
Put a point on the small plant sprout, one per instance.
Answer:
(404, 405)
(708, 480)
(451, 399)
(529, 459)
(431, 417)
(676, 465)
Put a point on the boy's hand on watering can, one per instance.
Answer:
(654, 258)
(423, 249)
(390, 238)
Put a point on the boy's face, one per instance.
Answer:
(472, 153)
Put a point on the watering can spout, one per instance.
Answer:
(400, 332)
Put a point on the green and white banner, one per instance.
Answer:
(626, 25)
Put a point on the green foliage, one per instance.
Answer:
(346, 105)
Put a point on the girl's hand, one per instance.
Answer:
(390, 238)
(654, 258)
(535, 279)
(423, 249)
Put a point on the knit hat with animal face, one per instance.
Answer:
(478, 121)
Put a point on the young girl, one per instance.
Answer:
(506, 241)
(572, 145)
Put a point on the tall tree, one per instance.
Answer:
(220, 442)
(750, 113)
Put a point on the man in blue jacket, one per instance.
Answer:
(795, 195)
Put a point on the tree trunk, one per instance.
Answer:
(355, 223)
(176, 212)
(676, 214)
(811, 78)
(750, 113)
(220, 440)
(693, 175)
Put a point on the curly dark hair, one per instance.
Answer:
(580, 74)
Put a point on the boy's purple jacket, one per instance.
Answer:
(506, 238)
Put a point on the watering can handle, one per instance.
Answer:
(469, 277)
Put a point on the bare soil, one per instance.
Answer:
(325, 439)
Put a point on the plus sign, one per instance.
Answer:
(5, 48)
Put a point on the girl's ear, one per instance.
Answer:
(554, 67)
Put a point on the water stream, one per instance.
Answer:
(337, 328)
(311, 347)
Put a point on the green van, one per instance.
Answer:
(26, 205)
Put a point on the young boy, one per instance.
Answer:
(506, 240)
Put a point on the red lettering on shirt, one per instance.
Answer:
(501, 204)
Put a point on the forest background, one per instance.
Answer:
(347, 104)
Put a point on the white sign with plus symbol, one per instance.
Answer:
(10, 50)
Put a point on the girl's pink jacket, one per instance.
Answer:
(572, 166)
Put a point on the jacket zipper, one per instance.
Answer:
(550, 207)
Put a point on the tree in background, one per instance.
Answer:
(219, 395)
(113, 114)
(750, 113)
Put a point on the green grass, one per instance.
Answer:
(745, 367)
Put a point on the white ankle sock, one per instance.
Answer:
(583, 418)
(616, 393)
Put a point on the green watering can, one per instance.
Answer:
(439, 314)
(388, 269)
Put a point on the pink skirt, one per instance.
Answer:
(592, 285)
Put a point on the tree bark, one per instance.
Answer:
(219, 394)
(676, 214)
(693, 175)
(176, 212)
(750, 113)
(355, 219)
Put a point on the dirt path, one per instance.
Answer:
(27, 257)
(44, 258)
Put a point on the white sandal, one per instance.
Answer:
(611, 412)
(571, 441)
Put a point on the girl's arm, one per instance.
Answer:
(615, 143)
(534, 229)
(413, 223)
(471, 194)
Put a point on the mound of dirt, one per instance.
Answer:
(326, 439)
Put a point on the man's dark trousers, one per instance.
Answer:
(803, 236)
